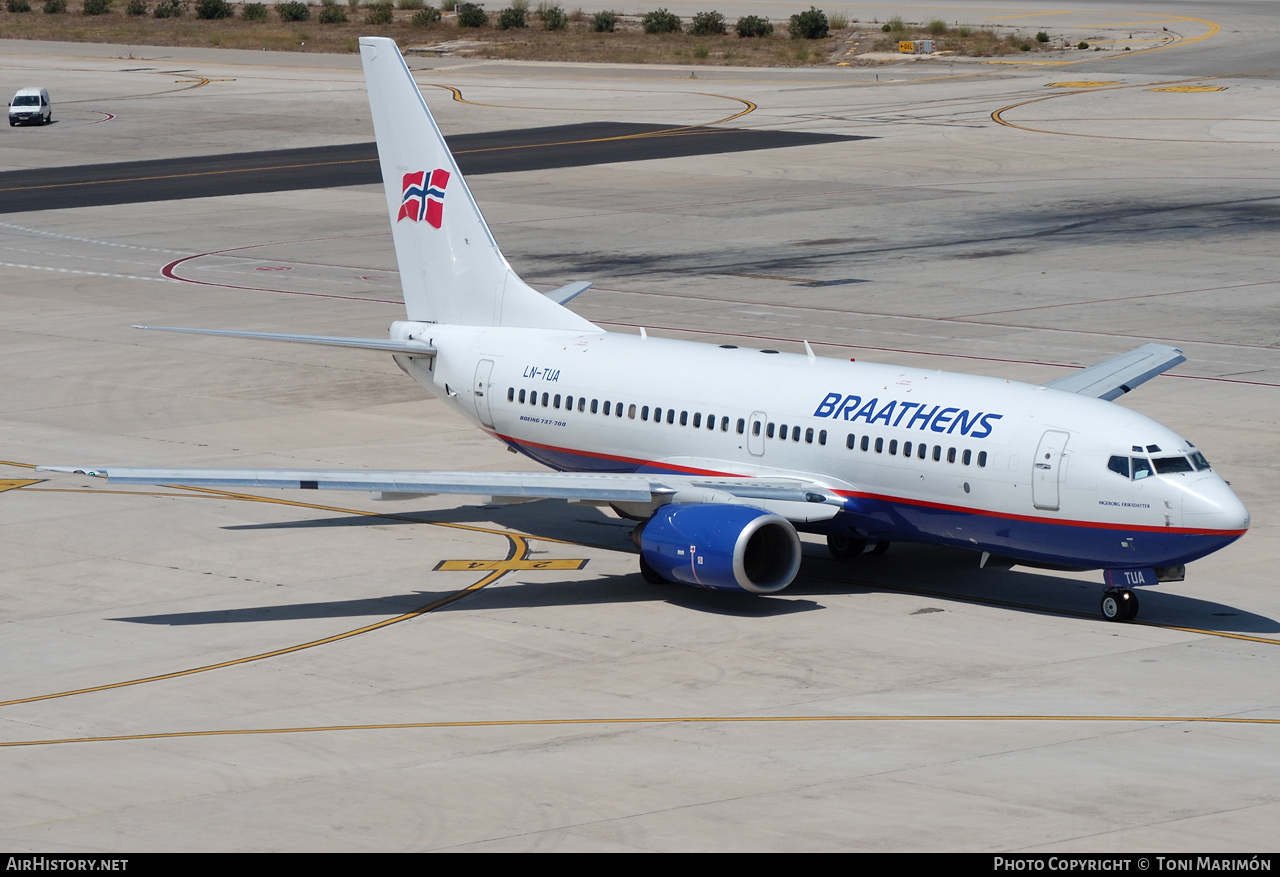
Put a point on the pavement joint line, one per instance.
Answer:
(656, 720)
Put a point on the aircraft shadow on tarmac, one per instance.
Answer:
(941, 574)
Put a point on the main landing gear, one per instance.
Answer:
(1119, 604)
(846, 545)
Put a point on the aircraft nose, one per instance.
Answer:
(1211, 505)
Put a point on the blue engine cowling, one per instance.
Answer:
(722, 546)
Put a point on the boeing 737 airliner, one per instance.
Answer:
(723, 453)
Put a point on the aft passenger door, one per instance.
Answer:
(1047, 466)
(480, 392)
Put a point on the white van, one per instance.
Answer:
(30, 105)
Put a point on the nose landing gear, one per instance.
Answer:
(1119, 604)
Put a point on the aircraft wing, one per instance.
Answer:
(1114, 377)
(797, 499)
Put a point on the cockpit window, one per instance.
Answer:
(1171, 465)
(1141, 468)
(1200, 462)
(1119, 465)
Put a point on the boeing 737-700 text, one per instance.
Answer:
(723, 453)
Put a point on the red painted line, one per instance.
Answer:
(928, 353)
(170, 271)
(967, 510)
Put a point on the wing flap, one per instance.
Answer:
(1114, 377)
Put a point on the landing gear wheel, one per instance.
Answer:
(1119, 605)
(1112, 608)
(843, 546)
(881, 547)
(649, 574)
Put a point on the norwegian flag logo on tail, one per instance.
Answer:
(423, 201)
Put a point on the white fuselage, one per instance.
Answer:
(995, 465)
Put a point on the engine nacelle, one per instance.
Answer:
(723, 546)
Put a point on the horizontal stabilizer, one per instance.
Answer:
(1116, 376)
(386, 345)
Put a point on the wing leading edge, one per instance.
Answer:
(1114, 377)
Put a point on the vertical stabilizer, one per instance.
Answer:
(451, 269)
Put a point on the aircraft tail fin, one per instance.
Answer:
(451, 269)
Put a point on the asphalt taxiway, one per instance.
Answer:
(195, 669)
